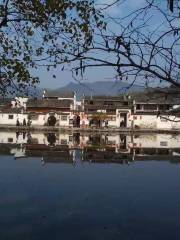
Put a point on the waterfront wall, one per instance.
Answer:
(11, 118)
(155, 122)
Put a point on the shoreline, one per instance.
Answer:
(85, 129)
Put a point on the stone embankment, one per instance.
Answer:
(84, 129)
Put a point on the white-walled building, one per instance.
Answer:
(147, 110)
(38, 112)
(105, 111)
(156, 109)
(12, 116)
(54, 109)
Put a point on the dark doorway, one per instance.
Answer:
(123, 122)
(51, 138)
(76, 121)
(51, 120)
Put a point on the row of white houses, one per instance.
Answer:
(36, 119)
(63, 110)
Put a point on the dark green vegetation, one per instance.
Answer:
(38, 32)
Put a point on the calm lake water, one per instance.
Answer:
(60, 186)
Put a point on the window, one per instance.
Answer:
(163, 144)
(125, 103)
(138, 107)
(91, 102)
(64, 118)
(162, 107)
(165, 107)
(150, 107)
(101, 110)
(10, 140)
(70, 138)
(10, 116)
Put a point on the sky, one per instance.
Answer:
(65, 77)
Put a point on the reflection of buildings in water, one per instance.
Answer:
(51, 138)
(13, 137)
(76, 139)
(118, 141)
(105, 155)
(52, 147)
(154, 141)
(18, 152)
(36, 138)
(62, 147)
(72, 140)
(159, 146)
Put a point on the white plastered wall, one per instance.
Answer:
(172, 123)
(4, 118)
(145, 121)
(154, 122)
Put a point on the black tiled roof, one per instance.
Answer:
(11, 110)
(106, 98)
(158, 96)
(48, 103)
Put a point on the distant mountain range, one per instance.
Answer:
(107, 88)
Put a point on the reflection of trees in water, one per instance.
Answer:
(97, 139)
(29, 138)
(102, 148)
(51, 138)
(123, 141)
(17, 135)
(76, 138)
(24, 135)
(91, 154)
(20, 133)
(76, 121)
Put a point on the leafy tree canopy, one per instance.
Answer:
(41, 32)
